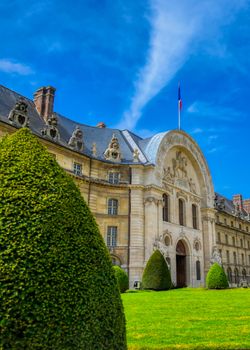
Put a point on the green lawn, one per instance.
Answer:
(188, 319)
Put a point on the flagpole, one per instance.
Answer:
(179, 106)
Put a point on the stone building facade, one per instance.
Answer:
(145, 194)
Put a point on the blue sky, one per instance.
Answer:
(120, 62)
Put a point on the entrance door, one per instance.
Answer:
(180, 265)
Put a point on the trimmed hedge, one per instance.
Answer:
(58, 288)
(156, 274)
(216, 278)
(122, 278)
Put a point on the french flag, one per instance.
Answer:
(179, 98)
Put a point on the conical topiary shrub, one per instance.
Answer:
(216, 278)
(156, 275)
(122, 278)
(58, 288)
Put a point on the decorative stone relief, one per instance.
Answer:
(19, 114)
(168, 188)
(76, 140)
(195, 199)
(113, 152)
(182, 194)
(168, 176)
(215, 258)
(136, 156)
(197, 244)
(50, 129)
(94, 149)
(179, 166)
(150, 200)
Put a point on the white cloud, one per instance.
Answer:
(8, 66)
(175, 31)
(196, 131)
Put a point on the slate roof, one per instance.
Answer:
(128, 141)
(226, 205)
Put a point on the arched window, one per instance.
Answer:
(236, 275)
(112, 206)
(181, 212)
(244, 274)
(165, 208)
(229, 275)
(198, 270)
(194, 216)
(112, 236)
(115, 260)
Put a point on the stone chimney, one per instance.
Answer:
(237, 201)
(44, 101)
(101, 125)
(246, 205)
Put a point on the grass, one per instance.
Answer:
(188, 319)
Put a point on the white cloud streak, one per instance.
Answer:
(8, 66)
(175, 31)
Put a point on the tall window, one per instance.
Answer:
(181, 212)
(165, 209)
(229, 275)
(112, 236)
(194, 216)
(234, 241)
(226, 239)
(77, 169)
(235, 260)
(242, 259)
(112, 206)
(218, 237)
(198, 270)
(241, 243)
(113, 177)
(228, 257)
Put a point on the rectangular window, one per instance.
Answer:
(194, 216)
(112, 236)
(113, 177)
(218, 237)
(242, 259)
(241, 243)
(233, 241)
(77, 169)
(235, 261)
(112, 206)
(226, 239)
(198, 270)
(228, 257)
(232, 224)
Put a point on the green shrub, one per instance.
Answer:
(156, 275)
(58, 288)
(122, 278)
(216, 278)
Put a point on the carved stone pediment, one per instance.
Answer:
(50, 130)
(182, 194)
(113, 152)
(76, 140)
(19, 114)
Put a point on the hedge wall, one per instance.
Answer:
(156, 274)
(58, 288)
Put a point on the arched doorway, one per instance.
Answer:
(181, 265)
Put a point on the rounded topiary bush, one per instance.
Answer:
(216, 278)
(122, 278)
(58, 288)
(156, 275)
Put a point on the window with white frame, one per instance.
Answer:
(112, 206)
(112, 236)
(113, 177)
(77, 169)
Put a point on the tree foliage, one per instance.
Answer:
(156, 274)
(216, 278)
(58, 289)
(122, 278)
